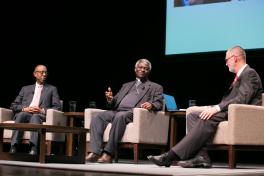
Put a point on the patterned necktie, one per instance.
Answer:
(137, 86)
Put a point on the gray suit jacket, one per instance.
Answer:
(247, 90)
(49, 98)
(151, 92)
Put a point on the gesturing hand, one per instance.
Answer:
(109, 94)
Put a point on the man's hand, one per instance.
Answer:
(109, 94)
(146, 105)
(208, 113)
(32, 109)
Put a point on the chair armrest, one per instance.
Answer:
(88, 114)
(6, 114)
(246, 124)
(55, 117)
(151, 127)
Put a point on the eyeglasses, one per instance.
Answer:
(229, 58)
(232, 57)
(42, 72)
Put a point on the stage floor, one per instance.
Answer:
(124, 167)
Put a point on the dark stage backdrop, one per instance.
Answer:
(88, 46)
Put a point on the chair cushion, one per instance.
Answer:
(221, 136)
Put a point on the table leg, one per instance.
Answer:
(82, 147)
(1, 139)
(173, 135)
(70, 138)
(42, 149)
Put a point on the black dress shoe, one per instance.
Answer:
(160, 160)
(197, 162)
(33, 152)
(13, 150)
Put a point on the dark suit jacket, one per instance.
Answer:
(49, 98)
(151, 92)
(247, 90)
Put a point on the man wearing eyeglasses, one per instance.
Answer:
(30, 106)
(202, 121)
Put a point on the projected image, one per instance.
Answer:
(179, 3)
(212, 27)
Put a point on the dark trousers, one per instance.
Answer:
(119, 120)
(199, 133)
(25, 117)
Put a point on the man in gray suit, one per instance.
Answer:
(30, 106)
(202, 121)
(140, 93)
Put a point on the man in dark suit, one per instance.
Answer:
(140, 93)
(30, 106)
(202, 121)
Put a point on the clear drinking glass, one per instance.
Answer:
(72, 106)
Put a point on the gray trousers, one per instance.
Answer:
(25, 117)
(199, 134)
(119, 120)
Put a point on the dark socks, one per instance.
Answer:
(173, 156)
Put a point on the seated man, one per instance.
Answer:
(140, 93)
(202, 122)
(30, 107)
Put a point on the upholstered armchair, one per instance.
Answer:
(242, 131)
(148, 130)
(53, 117)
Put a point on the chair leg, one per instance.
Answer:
(231, 157)
(48, 143)
(136, 153)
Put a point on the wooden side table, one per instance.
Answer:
(71, 118)
(174, 127)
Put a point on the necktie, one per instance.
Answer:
(235, 80)
(137, 86)
(36, 97)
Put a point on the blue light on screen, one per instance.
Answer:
(214, 26)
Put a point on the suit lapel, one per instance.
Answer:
(31, 94)
(145, 89)
(126, 90)
(43, 94)
(237, 84)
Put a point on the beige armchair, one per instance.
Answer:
(242, 131)
(54, 117)
(148, 130)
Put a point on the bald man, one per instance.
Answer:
(202, 121)
(30, 106)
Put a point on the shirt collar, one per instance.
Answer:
(39, 85)
(240, 70)
(138, 80)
